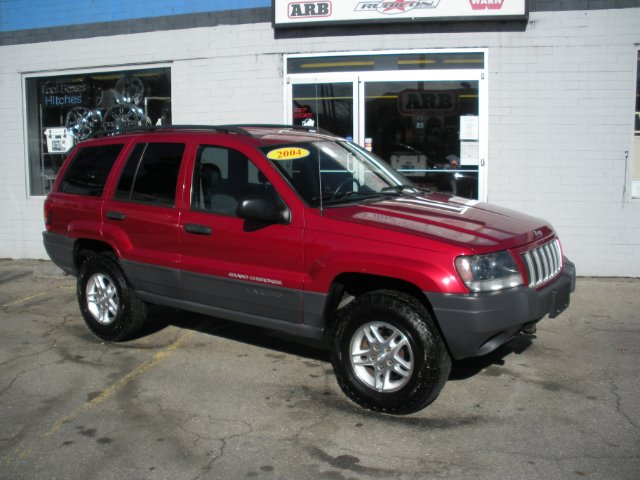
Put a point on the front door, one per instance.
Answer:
(227, 265)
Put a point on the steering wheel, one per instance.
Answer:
(344, 183)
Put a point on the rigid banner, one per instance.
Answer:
(289, 13)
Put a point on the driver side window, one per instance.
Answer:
(222, 177)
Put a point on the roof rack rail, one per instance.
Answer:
(239, 129)
(303, 128)
(160, 128)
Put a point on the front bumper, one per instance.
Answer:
(476, 324)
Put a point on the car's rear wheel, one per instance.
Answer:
(387, 353)
(109, 305)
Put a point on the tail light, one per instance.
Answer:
(48, 211)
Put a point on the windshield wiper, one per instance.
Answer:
(399, 190)
(346, 197)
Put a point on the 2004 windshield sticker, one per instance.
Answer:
(288, 153)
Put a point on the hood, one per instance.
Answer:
(469, 223)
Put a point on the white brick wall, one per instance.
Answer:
(571, 122)
(560, 114)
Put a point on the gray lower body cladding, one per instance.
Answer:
(288, 310)
(60, 249)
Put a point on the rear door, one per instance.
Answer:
(76, 201)
(141, 217)
(241, 271)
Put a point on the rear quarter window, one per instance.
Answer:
(151, 174)
(89, 169)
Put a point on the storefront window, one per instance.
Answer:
(428, 131)
(635, 190)
(66, 109)
(325, 105)
(422, 112)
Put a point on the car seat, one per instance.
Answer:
(213, 197)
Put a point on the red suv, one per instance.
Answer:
(305, 233)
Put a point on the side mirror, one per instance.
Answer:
(263, 209)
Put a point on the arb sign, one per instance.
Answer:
(309, 9)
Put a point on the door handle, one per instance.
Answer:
(113, 215)
(197, 229)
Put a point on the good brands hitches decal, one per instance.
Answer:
(296, 13)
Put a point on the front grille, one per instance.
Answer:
(543, 263)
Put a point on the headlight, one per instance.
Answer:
(486, 273)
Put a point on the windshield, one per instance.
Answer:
(332, 172)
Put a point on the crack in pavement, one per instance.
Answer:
(614, 390)
(114, 387)
(232, 424)
(23, 451)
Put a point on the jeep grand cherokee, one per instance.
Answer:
(304, 233)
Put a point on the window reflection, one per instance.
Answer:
(426, 130)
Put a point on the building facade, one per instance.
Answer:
(530, 105)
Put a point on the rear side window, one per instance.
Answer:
(151, 174)
(89, 169)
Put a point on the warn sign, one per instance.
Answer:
(486, 4)
(309, 9)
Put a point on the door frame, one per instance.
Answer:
(359, 78)
(312, 79)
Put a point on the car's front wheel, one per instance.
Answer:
(387, 353)
(110, 307)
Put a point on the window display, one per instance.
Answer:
(64, 110)
(423, 112)
(428, 131)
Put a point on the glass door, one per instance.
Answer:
(427, 130)
(423, 113)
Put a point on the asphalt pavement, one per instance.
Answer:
(200, 398)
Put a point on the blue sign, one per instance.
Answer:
(69, 94)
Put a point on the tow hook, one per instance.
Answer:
(528, 328)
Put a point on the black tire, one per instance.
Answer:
(109, 305)
(410, 338)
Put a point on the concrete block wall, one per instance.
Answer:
(561, 109)
(561, 100)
